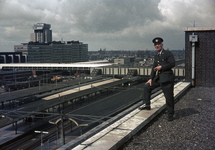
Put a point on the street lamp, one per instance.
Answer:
(41, 137)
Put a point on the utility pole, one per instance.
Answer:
(62, 130)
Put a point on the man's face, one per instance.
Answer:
(158, 46)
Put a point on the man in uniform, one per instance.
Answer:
(161, 75)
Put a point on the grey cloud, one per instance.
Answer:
(184, 13)
(112, 15)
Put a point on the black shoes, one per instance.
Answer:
(144, 107)
(170, 118)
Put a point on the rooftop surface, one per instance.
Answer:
(192, 127)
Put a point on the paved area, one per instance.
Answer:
(193, 126)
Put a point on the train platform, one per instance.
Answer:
(27, 92)
(116, 134)
(8, 132)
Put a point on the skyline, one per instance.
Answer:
(114, 24)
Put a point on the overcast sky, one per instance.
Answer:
(110, 24)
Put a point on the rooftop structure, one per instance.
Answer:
(42, 33)
(202, 51)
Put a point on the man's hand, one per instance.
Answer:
(157, 68)
(149, 81)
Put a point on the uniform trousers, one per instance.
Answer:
(167, 89)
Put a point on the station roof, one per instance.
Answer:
(45, 103)
(60, 65)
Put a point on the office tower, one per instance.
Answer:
(57, 52)
(41, 48)
(42, 33)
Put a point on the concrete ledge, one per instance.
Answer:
(116, 134)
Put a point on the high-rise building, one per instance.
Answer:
(42, 33)
(41, 48)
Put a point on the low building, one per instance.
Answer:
(12, 57)
(125, 61)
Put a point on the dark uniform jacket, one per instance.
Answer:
(167, 61)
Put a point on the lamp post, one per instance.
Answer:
(41, 137)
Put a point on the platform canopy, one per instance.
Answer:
(38, 66)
